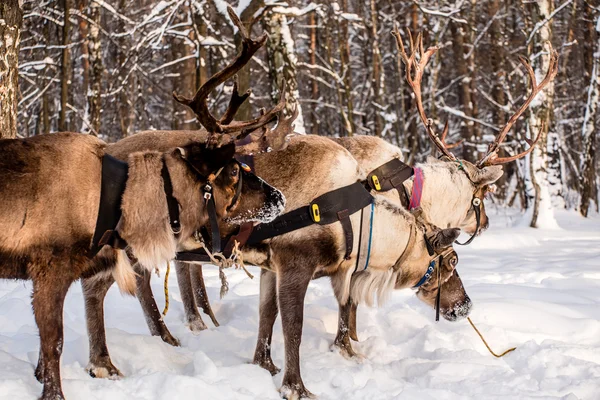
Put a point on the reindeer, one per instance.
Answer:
(459, 209)
(446, 185)
(50, 187)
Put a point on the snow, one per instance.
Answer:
(538, 290)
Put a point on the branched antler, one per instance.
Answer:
(410, 62)
(226, 125)
(491, 157)
(270, 139)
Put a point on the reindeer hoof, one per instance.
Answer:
(268, 365)
(347, 352)
(170, 339)
(104, 370)
(295, 392)
(39, 375)
(197, 325)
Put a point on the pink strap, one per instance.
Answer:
(417, 189)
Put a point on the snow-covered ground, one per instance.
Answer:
(537, 290)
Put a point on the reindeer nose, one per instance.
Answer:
(460, 310)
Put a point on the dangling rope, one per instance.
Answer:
(486, 345)
(166, 309)
(235, 260)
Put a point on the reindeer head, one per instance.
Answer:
(261, 202)
(454, 301)
(458, 184)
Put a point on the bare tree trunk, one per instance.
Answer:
(464, 94)
(247, 18)
(126, 103)
(184, 82)
(11, 16)
(589, 131)
(282, 64)
(314, 121)
(65, 67)
(377, 77)
(345, 69)
(541, 117)
(97, 69)
(85, 57)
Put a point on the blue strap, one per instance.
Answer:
(370, 235)
(427, 275)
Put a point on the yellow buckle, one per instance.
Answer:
(376, 182)
(316, 215)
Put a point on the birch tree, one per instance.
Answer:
(11, 17)
(540, 119)
(282, 63)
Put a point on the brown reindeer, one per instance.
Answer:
(50, 190)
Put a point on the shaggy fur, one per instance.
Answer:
(145, 222)
(50, 192)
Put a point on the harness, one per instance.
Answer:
(113, 183)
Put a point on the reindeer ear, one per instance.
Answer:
(208, 160)
(444, 238)
(483, 176)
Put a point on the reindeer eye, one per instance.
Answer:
(234, 172)
(453, 261)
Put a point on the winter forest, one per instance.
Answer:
(110, 68)
(220, 255)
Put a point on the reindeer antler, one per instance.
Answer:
(270, 139)
(491, 157)
(226, 125)
(410, 62)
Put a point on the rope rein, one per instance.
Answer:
(166, 287)
(486, 345)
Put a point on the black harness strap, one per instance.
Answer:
(344, 218)
(172, 203)
(476, 202)
(391, 175)
(112, 186)
(214, 222)
(326, 209)
(438, 296)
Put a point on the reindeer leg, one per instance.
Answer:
(292, 283)
(200, 293)
(153, 316)
(267, 315)
(186, 290)
(94, 292)
(352, 321)
(342, 340)
(49, 293)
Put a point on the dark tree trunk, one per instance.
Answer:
(10, 40)
(65, 67)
